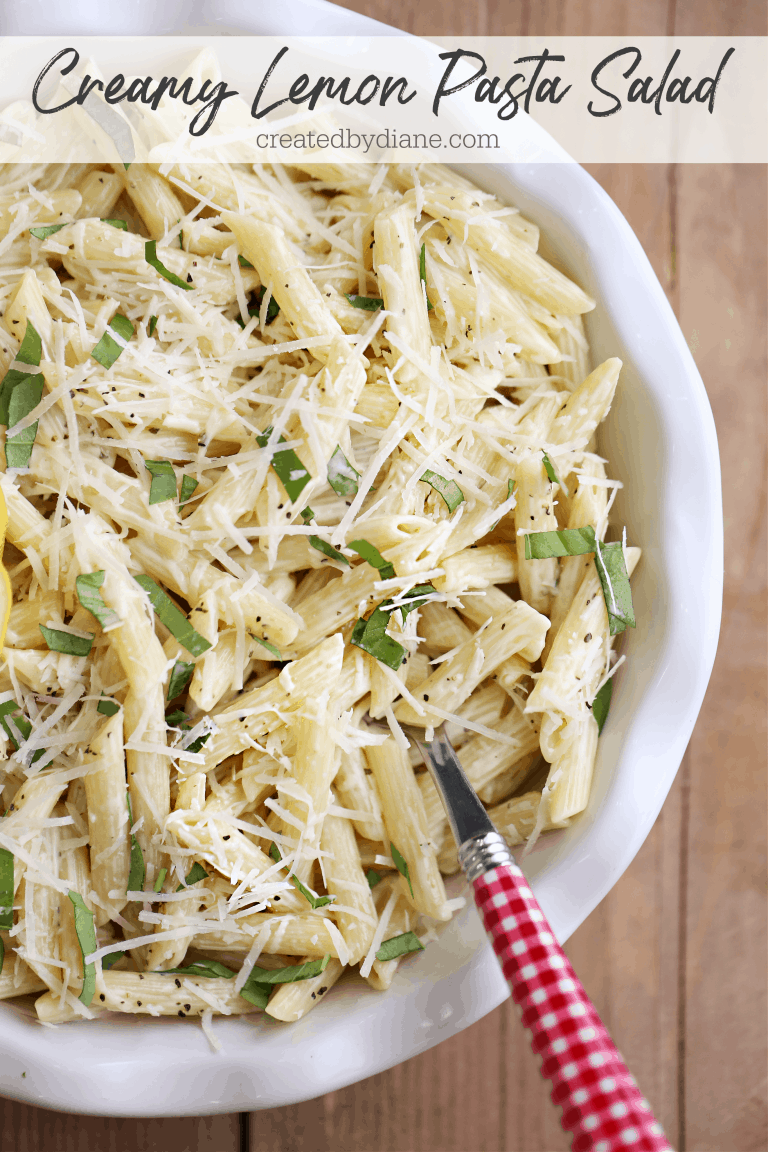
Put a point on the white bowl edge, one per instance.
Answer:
(457, 981)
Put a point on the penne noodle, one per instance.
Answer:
(105, 792)
(345, 879)
(152, 994)
(406, 826)
(290, 1002)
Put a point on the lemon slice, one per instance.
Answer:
(5, 584)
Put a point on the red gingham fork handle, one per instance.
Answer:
(602, 1105)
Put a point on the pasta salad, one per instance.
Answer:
(296, 459)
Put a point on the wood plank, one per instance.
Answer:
(446, 1100)
(625, 954)
(505, 18)
(722, 269)
(567, 17)
(712, 18)
(27, 1129)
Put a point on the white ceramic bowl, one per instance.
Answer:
(660, 439)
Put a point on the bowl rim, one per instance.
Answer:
(594, 860)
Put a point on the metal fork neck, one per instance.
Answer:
(483, 852)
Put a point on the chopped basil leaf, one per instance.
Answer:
(564, 542)
(287, 466)
(152, 325)
(25, 396)
(601, 704)
(401, 865)
(614, 579)
(549, 469)
(188, 485)
(448, 489)
(180, 677)
(116, 223)
(423, 272)
(367, 303)
(6, 710)
(107, 350)
(150, 255)
(110, 960)
(107, 706)
(328, 550)
(65, 642)
(273, 308)
(20, 394)
(138, 869)
(12, 723)
(209, 969)
(2, 961)
(11, 381)
(373, 557)
(173, 619)
(163, 486)
(314, 901)
(243, 262)
(342, 477)
(87, 586)
(196, 745)
(31, 346)
(399, 946)
(43, 231)
(373, 878)
(306, 971)
(86, 938)
(371, 636)
(181, 237)
(6, 888)
(158, 885)
(196, 872)
(609, 562)
(414, 598)
(257, 994)
(177, 719)
(257, 987)
(269, 647)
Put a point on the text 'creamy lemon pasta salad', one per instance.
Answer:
(295, 457)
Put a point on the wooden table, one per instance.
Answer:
(674, 957)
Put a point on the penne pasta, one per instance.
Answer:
(303, 458)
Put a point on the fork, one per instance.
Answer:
(601, 1104)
